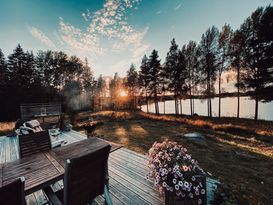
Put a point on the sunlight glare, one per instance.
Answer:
(123, 93)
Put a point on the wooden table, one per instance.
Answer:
(43, 169)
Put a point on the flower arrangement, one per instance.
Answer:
(174, 171)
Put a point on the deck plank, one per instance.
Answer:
(127, 173)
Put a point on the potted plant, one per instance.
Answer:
(176, 174)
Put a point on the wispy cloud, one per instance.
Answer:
(178, 6)
(158, 12)
(109, 23)
(108, 31)
(36, 33)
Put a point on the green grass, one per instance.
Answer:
(241, 160)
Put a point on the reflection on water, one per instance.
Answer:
(228, 108)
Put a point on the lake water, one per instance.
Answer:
(228, 107)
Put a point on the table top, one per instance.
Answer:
(77, 149)
(45, 168)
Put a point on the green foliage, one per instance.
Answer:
(48, 76)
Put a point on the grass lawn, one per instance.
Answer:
(239, 154)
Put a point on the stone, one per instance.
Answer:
(195, 135)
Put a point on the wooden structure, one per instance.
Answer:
(34, 143)
(127, 175)
(13, 193)
(45, 168)
(40, 110)
(84, 179)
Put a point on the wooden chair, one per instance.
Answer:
(84, 179)
(34, 143)
(13, 193)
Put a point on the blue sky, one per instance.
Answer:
(112, 34)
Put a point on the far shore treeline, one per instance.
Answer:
(189, 71)
(194, 68)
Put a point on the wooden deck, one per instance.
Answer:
(127, 171)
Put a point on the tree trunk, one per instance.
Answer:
(191, 102)
(175, 104)
(193, 105)
(219, 106)
(256, 107)
(238, 93)
(210, 108)
(155, 108)
(147, 102)
(180, 106)
(156, 104)
(208, 96)
(164, 106)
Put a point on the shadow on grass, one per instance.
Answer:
(228, 153)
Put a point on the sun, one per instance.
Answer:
(122, 93)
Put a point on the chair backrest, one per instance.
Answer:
(13, 193)
(34, 143)
(85, 177)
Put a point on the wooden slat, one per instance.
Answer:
(127, 171)
(1, 175)
(31, 200)
(7, 147)
(37, 165)
(2, 150)
(40, 197)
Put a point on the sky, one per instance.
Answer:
(112, 34)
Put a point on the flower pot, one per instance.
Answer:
(172, 199)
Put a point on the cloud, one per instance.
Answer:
(79, 42)
(178, 6)
(108, 24)
(158, 12)
(108, 31)
(36, 33)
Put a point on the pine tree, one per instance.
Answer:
(193, 71)
(209, 62)
(60, 69)
(171, 67)
(154, 84)
(237, 43)
(132, 84)
(258, 51)
(87, 79)
(87, 83)
(182, 75)
(100, 90)
(144, 78)
(16, 67)
(223, 45)
(44, 63)
(164, 81)
(115, 87)
(3, 69)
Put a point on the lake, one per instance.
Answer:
(228, 107)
